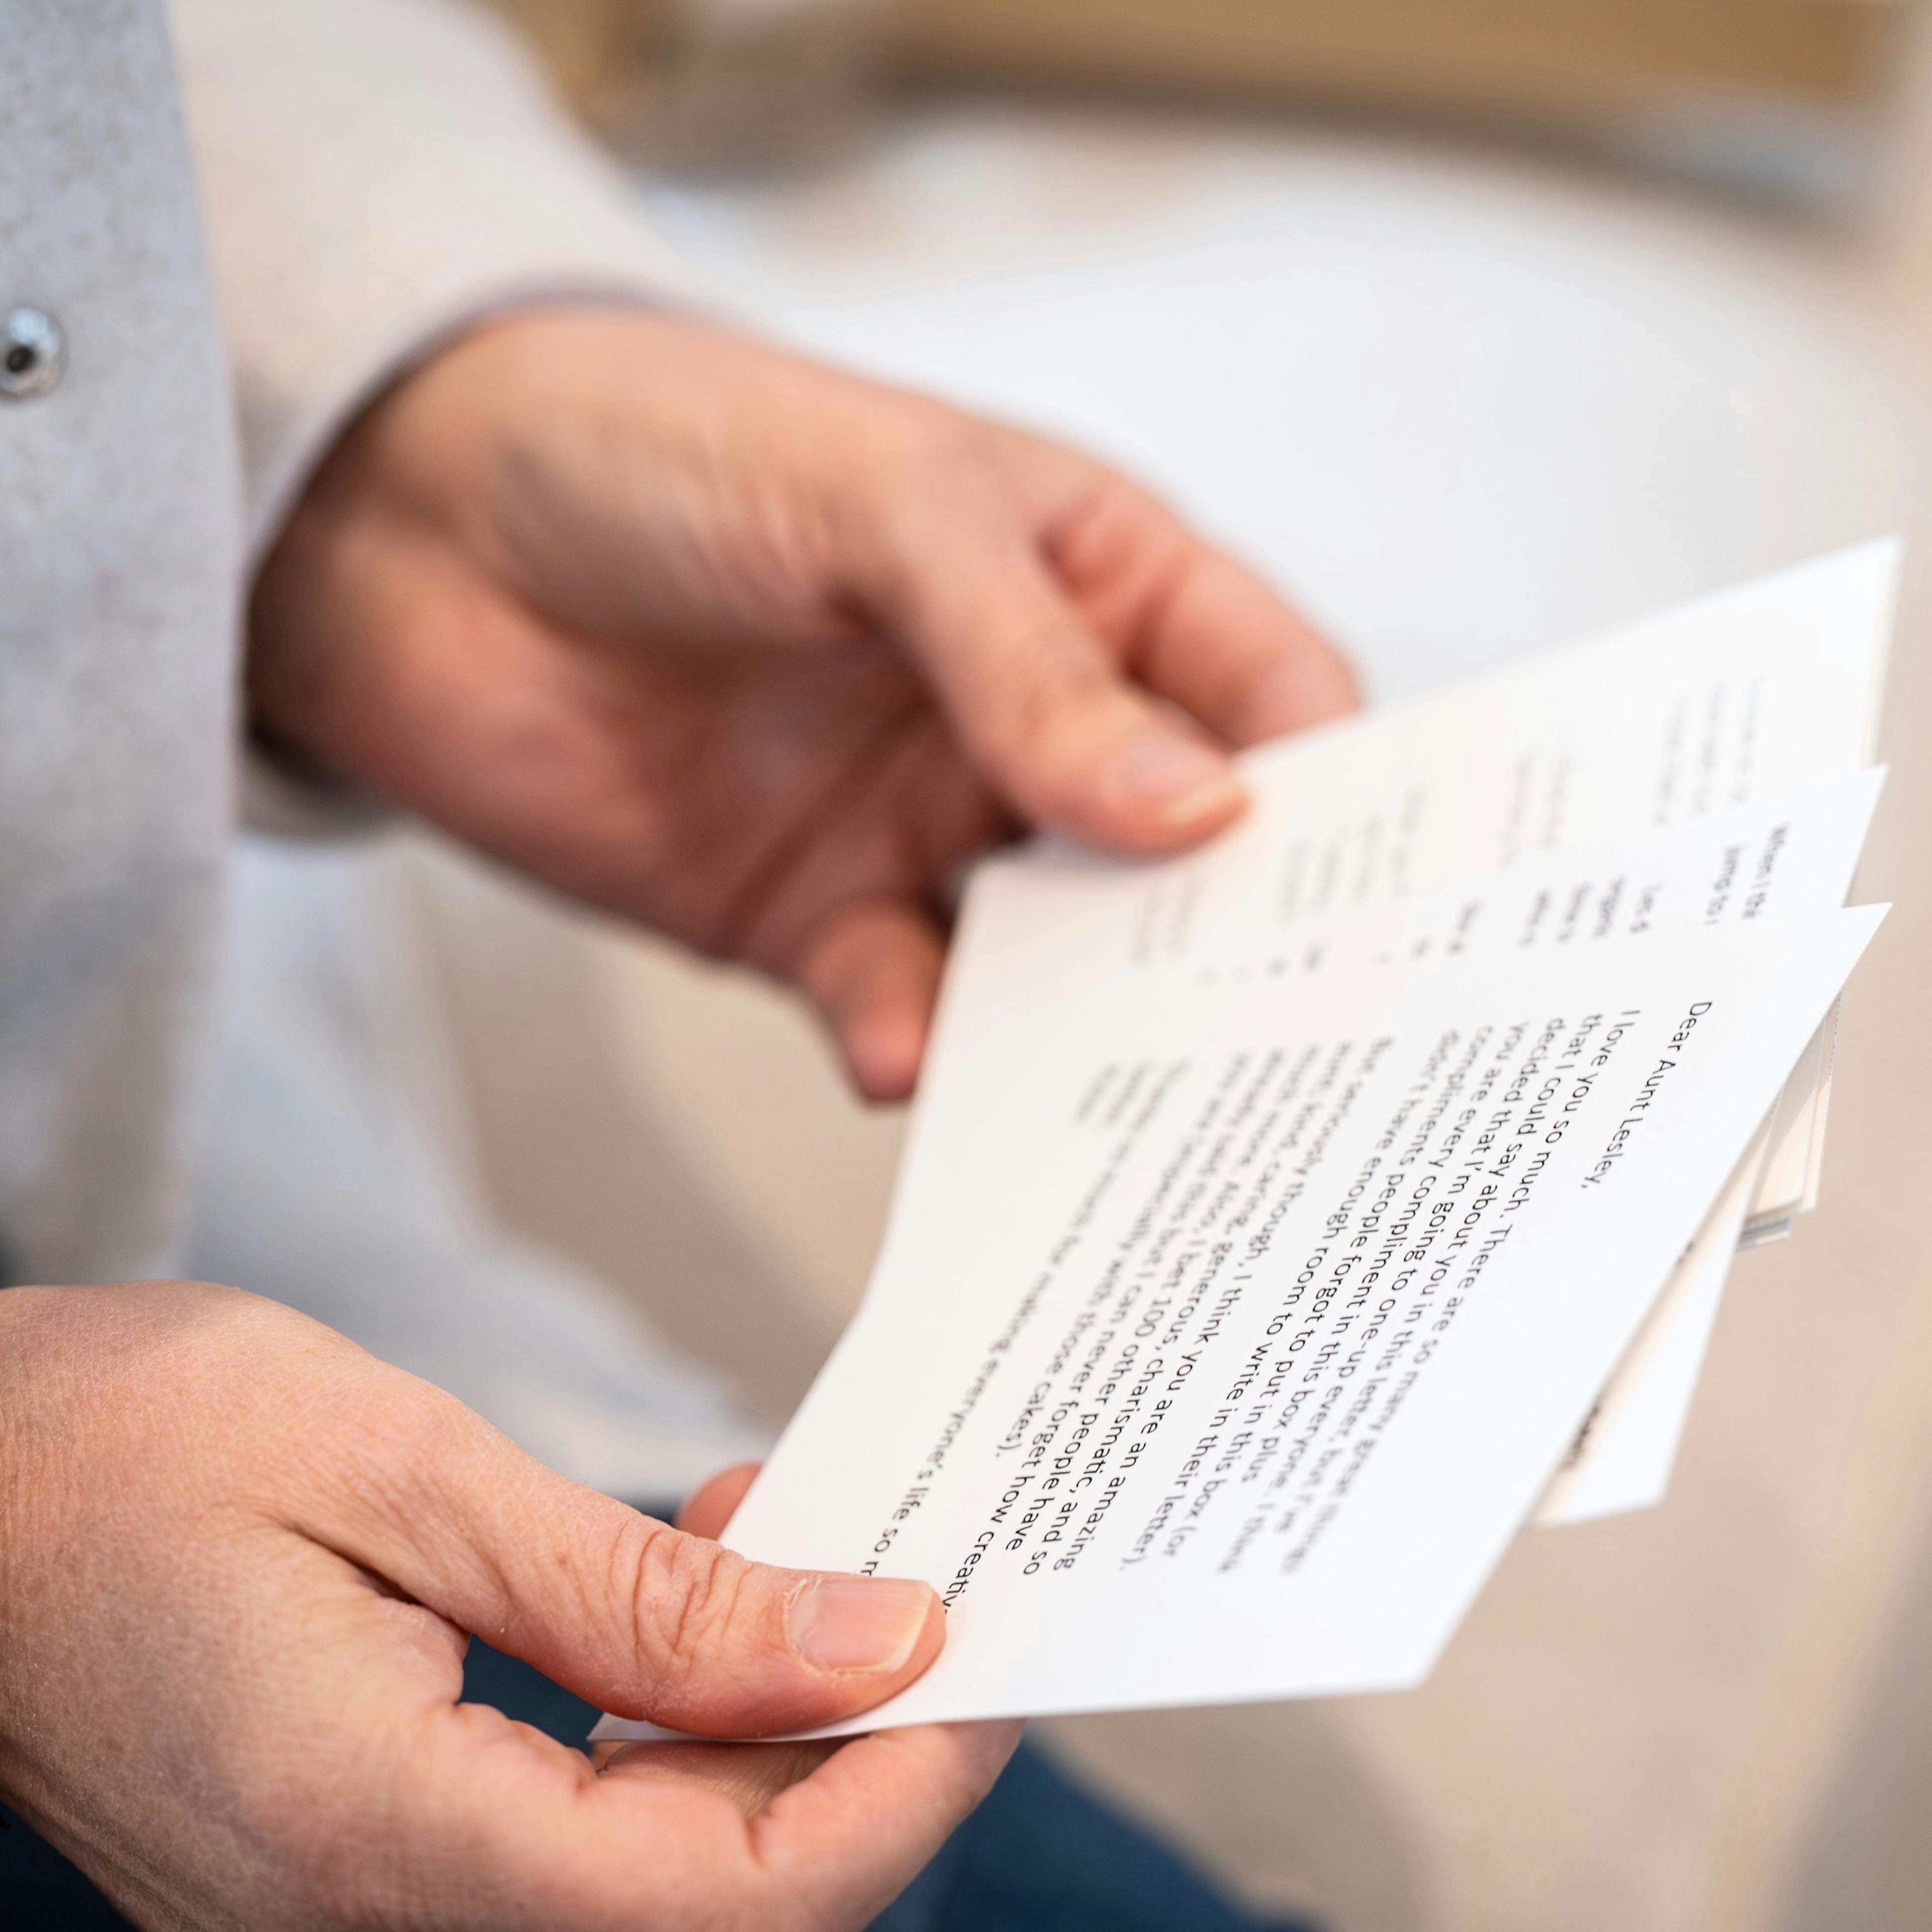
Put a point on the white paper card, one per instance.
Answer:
(1776, 858)
(1220, 1343)
(1754, 695)
(1623, 1455)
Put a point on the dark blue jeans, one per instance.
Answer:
(1040, 1854)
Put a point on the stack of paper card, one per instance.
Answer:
(1283, 1226)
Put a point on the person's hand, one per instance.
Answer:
(238, 1559)
(758, 653)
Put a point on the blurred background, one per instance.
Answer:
(1480, 325)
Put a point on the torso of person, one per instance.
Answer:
(119, 575)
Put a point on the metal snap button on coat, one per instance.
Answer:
(33, 354)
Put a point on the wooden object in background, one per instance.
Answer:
(704, 80)
(1542, 59)
(594, 49)
(1506, 55)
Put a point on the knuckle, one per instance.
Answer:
(936, 445)
(686, 1597)
(1065, 714)
(932, 465)
(397, 1430)
(398, 1447)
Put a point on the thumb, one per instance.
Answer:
(1045, 708)
(637, 1618)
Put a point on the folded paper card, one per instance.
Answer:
(1283, 1227)
(1220, 1343)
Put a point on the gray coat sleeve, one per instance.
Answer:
(377, 175)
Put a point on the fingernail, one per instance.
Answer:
(858, 1623)
(1174, 777)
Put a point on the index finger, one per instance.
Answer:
(875, 1812)
(709, 1507)
(501, 1827)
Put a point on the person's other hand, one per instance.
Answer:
(756, 652)
(239, 1562)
